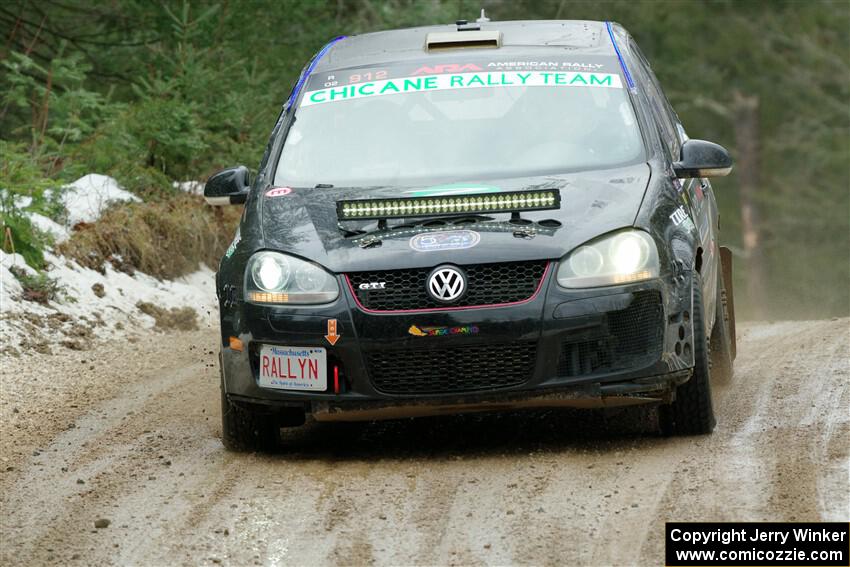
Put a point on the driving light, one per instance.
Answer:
(624, 257)
(271, 281)
(451, 205)
(310, 277)
(586, 261)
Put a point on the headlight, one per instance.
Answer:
(272, 277)
(623, 257)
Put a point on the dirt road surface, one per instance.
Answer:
(129, 433)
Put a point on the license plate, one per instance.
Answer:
(293, 368)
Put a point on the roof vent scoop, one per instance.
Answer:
(437, 41)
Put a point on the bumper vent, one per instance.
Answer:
(456, 369)
(488, 284)
(626, 339)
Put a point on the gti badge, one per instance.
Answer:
(373, 285)
(446, 284)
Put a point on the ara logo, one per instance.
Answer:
(373, 285)
(445, 240)
(447, 68)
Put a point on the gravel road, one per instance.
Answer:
(129, 433)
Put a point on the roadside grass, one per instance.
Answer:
(165, 239)
(181, 319)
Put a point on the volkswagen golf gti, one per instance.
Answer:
(481, 216)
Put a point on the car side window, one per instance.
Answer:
(663, 113)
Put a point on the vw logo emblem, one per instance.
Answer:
(446, 284)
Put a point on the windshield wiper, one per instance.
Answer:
(372, 237)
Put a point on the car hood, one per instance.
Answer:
(304, 222)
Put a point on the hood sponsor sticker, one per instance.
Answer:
(278, 192)
(425, 83)
(445, 240)
(429, 331)
(467, 189)
(565, 65)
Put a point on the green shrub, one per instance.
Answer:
(19, 235)
(38, 287)
(60, 108)
(169, 131)
(23, 188)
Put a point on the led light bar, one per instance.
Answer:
(449, 205)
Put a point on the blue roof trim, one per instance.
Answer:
(628, 75)
(303, 78)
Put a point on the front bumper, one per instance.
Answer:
(603, 346)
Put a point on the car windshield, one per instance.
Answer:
(458, 127)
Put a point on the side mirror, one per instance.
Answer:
(228, 187)
(703, 159)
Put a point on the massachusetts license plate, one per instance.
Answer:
(293, 368)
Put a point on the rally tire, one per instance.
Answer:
(692, 412)
(722, 354)
(244, 430)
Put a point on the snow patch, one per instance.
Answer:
(87, 197)
(92, 305)
(192, 187)
(103, 303)
(45, 224)
(10, 287)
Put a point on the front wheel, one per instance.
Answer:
(692, 412)
(243, 429)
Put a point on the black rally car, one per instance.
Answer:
(479, 216)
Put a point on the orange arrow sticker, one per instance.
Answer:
(332, 337)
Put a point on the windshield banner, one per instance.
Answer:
(473, 80)
(447, 81)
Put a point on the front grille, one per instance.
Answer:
(487, 284)
(629, 338)
(453, 369)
